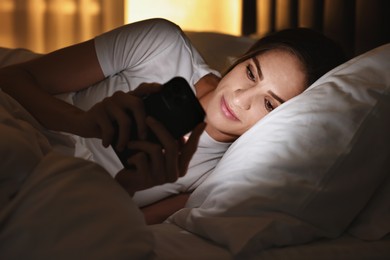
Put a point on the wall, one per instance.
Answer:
(45, 25)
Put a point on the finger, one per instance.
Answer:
(146, 89)
(142, 91)
(136, 106)
(122, 122)
(105, 113)
(137, 177)
(170, 146)
(155, 159)
(121, 108)
(140, 162)
(106, 128)
(126, 110)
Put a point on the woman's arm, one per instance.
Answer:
(34, 82)
(74, 68)
(158, 212)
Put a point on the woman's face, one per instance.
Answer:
(251, 90)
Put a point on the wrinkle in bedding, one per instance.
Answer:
(57, 206)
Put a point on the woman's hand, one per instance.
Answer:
(155, 164)
(117, 116)
(159, 211)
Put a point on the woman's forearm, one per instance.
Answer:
(161, 210)
(34, 83)
(51, 112)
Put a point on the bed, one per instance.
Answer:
(318, 191)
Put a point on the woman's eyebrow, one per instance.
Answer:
(257, 63)
(281, 101)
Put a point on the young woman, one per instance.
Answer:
(106, 76)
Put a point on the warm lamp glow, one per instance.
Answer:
(200, 15)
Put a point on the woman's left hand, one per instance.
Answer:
(154, 164)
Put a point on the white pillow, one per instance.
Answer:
(306, 170)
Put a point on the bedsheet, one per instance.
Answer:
(172, 242)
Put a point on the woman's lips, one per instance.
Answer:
(227, 111)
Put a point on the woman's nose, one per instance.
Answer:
(243, 98)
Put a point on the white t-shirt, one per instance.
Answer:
(149, 51)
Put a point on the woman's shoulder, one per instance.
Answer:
(160, 25)
(136, 43)
(156, 29)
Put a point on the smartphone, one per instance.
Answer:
(175, 106)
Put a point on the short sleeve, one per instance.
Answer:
(154, 50)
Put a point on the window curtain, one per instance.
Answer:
(46, 25)
(358, 25)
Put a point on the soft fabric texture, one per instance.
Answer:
(306, 170)
(23, 143)
(72, 209)
(55, 206)
(373, 222)
(11, 56)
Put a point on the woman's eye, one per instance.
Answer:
(268, 105)
(249, 73)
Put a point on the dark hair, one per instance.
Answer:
(318, 53)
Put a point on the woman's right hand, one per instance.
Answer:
(116, 114)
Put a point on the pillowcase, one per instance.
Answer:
(306, 170)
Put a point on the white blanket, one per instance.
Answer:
(57, 206)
